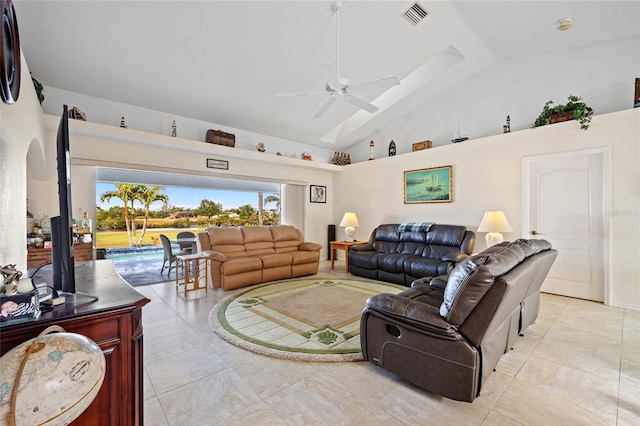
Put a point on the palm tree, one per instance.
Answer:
(148, 195)
(128, 193)
(273, 198)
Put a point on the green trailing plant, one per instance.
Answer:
(39, 89)
(581, 112)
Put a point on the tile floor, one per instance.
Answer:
(578, 365)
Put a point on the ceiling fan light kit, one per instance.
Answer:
(337, 87)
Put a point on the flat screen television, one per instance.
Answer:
(62, 226)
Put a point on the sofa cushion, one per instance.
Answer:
(387, 246)
(257, 240)
(240, 264)
(472, 278)
(365, 259)
(415, 248)
(446, 235)
(229, 241)
(386, 239)
(275, 260)
(392, 262)
(284, 233)
(532, 247)
(416, 266)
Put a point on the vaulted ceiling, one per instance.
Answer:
(225, 61)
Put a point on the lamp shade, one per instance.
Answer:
(494, 222)
(350, 222)
(350, 219)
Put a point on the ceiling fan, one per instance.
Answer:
(336, 87)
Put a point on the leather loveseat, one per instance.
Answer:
(245, 256)
(402, 253)
(448, 340)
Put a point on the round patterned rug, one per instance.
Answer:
(300, 319)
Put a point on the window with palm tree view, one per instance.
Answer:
(131, 217)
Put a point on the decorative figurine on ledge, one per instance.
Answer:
(174, 129)
(122, 124)
(76, 114)
(260, 147)
(341, 158)
(392, 148)
(507, 127)
(371, 148)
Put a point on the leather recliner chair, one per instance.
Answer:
(448, 339)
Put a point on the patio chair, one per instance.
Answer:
(169, 255)
(186, 247)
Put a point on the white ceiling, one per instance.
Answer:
(224, 61)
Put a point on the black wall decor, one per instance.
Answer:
(10, 55)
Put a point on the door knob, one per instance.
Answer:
(535, 233)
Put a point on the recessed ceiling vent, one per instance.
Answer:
(415, 14)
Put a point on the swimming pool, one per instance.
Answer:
(135, 253)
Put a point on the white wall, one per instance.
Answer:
(487, 175)
(94, 144)
(21, 131)
(107, 112)
(604, 75)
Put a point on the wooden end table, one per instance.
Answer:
(343, 245)
(192, 267)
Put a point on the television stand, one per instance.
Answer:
(114, 322)
(78, 298)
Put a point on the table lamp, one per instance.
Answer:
(350, 222)
(494, 222)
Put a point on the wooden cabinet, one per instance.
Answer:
(37, 256)
(114, 322)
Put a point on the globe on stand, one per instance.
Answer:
(51, 379)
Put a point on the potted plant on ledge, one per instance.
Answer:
(574, 109)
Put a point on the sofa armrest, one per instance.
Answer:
(421, 315)
(307, 246)
(215, 255)
(362, 247)
(457, 258)
(203, 241)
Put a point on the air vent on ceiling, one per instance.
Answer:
(415, 14)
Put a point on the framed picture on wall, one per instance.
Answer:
(433, 185)
(317, 194)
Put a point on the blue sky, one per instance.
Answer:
(188, 197)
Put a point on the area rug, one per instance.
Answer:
(301, 319)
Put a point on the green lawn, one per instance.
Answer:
(118, 239)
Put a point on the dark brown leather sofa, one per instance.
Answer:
(398, 256)
(448, 339)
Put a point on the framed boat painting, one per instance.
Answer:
(433, 185)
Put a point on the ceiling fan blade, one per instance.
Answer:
(360, 103)
(291, 94)
(326, 106)
(376, 84)
(330, 76)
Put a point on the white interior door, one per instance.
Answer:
(566, 206)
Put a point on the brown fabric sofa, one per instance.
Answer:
(251, 255)
(448, 340)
